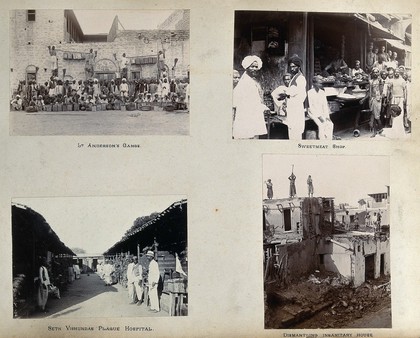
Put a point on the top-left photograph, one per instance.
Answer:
(99, 72)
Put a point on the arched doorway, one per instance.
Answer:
(105, 69)
(31, 73)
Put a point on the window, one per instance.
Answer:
(31, 15)
(287, 220)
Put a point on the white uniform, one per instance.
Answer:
(318, 106)
(295, 108)
(249, 118)
(43, 287)
(153, 278)
(130, 283)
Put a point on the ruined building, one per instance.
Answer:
(300, 237)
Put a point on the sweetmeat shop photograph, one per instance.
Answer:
(326, 242)
(79, 257)
(99, 72)
(325, 76)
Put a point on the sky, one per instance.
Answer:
(346, 178)
(100, 21)
(95, 223)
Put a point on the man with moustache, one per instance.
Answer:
(249, 121)
(296, 95)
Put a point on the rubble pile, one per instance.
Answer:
(323, 300)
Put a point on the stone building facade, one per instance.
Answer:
(149, 51)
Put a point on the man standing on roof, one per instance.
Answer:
(292, 191)
(269, 189)
(153, 280)
(310, 186)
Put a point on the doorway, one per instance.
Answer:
(369, 267)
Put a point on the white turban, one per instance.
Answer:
(250, 59)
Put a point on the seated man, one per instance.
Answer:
(17, 103)
(319, 110)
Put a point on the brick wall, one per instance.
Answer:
(43, 33)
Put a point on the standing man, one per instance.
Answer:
(398, 93)
(292, 179)
(138, 279)
(53, 60)
(44, 283)
(375, 102)
(310, 186)
(108, 272)
(248, 103)
(131, 281)
(347, 221)
(90, 63)
(124, 66)
(153, 279)
(371, 58)
(269, 189)
(296, 94)
(319, 110)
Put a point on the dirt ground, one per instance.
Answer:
(89, 297)
(109, 122)
(328, 301)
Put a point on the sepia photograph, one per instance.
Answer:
(325, 76)
(99, 72)
(326, 238)
(76, 257)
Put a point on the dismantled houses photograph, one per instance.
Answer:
(100, 257)
(326, 242)
(326, 76)
(99, 72)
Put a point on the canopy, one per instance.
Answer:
(398, 44)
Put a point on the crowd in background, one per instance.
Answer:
(385, 86)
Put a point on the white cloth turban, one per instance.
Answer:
(250, 59)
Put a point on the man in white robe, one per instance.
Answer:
(296, 95)
(130, 281)
(319, 110)
(44, 283)
(153, 279)
(249, 121)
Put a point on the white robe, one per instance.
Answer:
(295, 108)
(153, 277)
(318, 107)
(249, 118)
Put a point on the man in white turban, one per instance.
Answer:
(249, 110)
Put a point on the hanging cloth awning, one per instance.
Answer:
(398, 44)
(376, 30)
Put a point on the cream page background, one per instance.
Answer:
(222, 179)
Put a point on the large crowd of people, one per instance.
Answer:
(385, 86)
(94, 94)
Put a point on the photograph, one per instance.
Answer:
(99, 72)
(326, 239)
(324, 76)
(78, 257)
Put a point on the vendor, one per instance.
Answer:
(338, 65)
(356, 70)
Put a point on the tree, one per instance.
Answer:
(78, 251)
